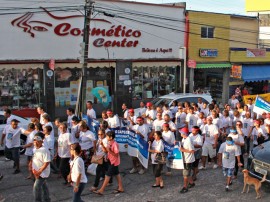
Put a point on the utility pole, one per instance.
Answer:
(84, 53)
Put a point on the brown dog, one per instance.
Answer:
(248, 180)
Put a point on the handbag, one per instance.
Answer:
(69, 180)
(97, 159)
(160, 158)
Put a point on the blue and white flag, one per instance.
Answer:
(175, 157)
(261, 106)
(92, 124)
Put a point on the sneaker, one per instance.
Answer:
(133, 170)
(227, 188)
(101, 179)
(142, 171)
(184, 190)
(215, 166)
(202, 168)
(168, 173)
(7, 159)
(191, 185)
(16, 171)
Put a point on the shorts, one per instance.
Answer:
(13, 153)
(195, 164)
(187, 169)
(227, 171)
(112, 170)
(29, 158)
(208, 150)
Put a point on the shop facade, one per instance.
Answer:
(125, 62)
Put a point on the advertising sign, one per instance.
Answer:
(236, 71)
(207, 53)
(252, 53)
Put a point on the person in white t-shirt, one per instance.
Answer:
(63, 151)
(157, 124)
(74, 129)
(188, 155)
(227, 154)
(168, 136)
(257, 134)
(167, 120)
(200, 103)
(205, 109)
(90, 111)
(167, 111)
(41, 169)
(247, 129)
(226, 122)
(11, 134)
(197, 141)
(131, 118)
(70, 114)
(142, 109)
(77, 172)
(142, 130)
(113, 120)
(239, 143)
(29, 148)
(210, 133)
(233, 102)
(150, 114)
(157, 147)
(191, 119)
(87, 141)
(47, 122)
(41, 112)
(9, 117)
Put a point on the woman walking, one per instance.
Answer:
(157, 147)
(77, 172)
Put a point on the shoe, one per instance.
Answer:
(133, 170)
(230, 183)
(142, 171)
(7, 159)
(191, 185)
(184, 190)
(101, 179)
(155, 185)
(215, 166)
(227, 188)
(202, 168)
(168, 173)
(93, 188)
(16, 171)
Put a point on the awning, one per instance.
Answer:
(90, 65)
(211, 65)
(156, 64)
(21, 66)
(255, 72)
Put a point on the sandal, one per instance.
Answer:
(161, 186)
(155, 185)
(93, 189)
(118, 191)
(98, 193)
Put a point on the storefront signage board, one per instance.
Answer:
(236, 71)
(208, 53)
(57, 34)
(253, 53)
(191, 63)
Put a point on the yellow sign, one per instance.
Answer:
(257, 5)
(266, 97)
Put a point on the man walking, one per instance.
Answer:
(41, 169)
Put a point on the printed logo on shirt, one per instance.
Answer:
(158, 128)
(191, 122)
(178, 119)
(245, 125)
(207, 134)
(9, 136)
(226, 155)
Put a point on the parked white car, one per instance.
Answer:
(179, 97)
(22, 123)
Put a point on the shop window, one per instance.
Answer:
(98, 86)
(20, 88)
(152, 82)
(207, 32)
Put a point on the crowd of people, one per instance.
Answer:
(204, 131)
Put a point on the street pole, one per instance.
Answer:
(183, 56)
(87, 20)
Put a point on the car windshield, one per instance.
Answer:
(159, 101)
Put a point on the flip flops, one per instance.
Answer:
(98, 193)
(117, 191)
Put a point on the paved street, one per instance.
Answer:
(209, 187)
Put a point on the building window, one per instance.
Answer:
(207, 32)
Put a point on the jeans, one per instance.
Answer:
(41, 191)
(247, 143)
(236, 164)
(77, 195)
(64, 167)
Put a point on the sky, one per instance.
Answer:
(219, 6)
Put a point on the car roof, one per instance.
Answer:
(179, 95)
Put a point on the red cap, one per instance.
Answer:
(109, 112)
(149, 104)
(131, 110)
(184, 131)
(257, 121)
(139, 119)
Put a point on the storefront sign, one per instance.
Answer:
(57, 34)
(236, 71)
(191, 64)
(123, 77)
(208, 53)
(253, 53)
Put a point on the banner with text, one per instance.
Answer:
(174, 158)
(265, 96)
(261, 106)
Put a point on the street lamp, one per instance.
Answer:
(182, 55)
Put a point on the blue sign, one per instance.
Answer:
(208, 52)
